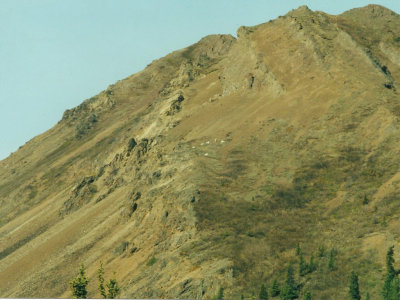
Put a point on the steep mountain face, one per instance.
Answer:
(206, 169)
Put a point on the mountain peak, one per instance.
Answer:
(302, 12)
(374, 10)
(304, 9)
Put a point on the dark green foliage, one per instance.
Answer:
(275, 289)
(307, 296)
(220, 295)
(289, 290)
(395, 290)
(389, 263)
(100, 277)
(263, 293)
(242, 297)
(321, 251)
(112, 288)
(387, 288)
(78, 285)
(390, 290)
(367, 296)
(298, 249)
(354, 290)
(312, 266)
(365, 200)
(331, 262)
(303, 268)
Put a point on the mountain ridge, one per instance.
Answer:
(206, 169)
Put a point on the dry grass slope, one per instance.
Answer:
(206, 169)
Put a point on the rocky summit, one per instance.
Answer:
(221, 166)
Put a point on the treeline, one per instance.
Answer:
(289, 290)
(293, 290)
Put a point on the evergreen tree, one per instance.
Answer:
(395, 289)
(367, 296)
(78, 285)
(275, 288)
(220, 293)
(365, 200)
(390, 286)
(354, 288)
(100, 277)
(263, 293)
(302, 265)
(289, 290)
(112, 288)
(389, 263)
(312, 266)
(331, 262)
(298, 249)
(242, 297)
(307, 296)
(321, 251)
(387, 287)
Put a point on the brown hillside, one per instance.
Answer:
(206, 169)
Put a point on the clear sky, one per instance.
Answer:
(54, 54)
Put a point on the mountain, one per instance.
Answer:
(209, 167)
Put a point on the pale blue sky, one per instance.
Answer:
(54, 54)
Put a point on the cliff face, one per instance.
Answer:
(206, 169)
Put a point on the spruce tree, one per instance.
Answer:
(389, 262)
(389, 286)
(78, 285)
(367, 296)
(321, 251)
(289, 290)
(298, 249)
(395, 289)
(331, 262)
(275, 288)
(312, 266)
(354, 289)
(220, 293)
(100, 277)
(112, 288)
(303, 268)
(263, 293)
